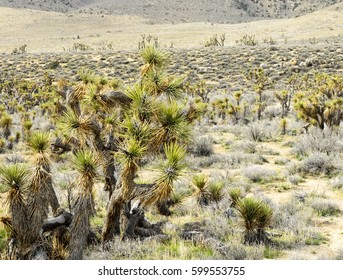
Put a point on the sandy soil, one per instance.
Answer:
(54, 32)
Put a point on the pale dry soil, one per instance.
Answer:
(55, 32)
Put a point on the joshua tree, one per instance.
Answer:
(14, 177)
(6, 124)
(260, 82)
(321, 102)
(86, 165)
(41, 193)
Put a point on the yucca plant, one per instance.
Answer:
(257, 216)
(14, 178)
(135, 129)
(41, 192)
(86, 164)
(235, 195)
(130, 155)
(143, 104)
(216, 189)
(76, 126)
(6, 125)
(153, 58)
(172, 125)
(201, 191)
(169, 172)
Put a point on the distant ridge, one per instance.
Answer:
(176, 11)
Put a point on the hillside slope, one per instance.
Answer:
(176, 11)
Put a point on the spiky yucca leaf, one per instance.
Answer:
(130, 155)
(39, 141)
(153, 58)
(91, 98)
(14, 178)
(255, 213)
(169, 171)
(155, 82)
(6, 121)
(235, 194)
(78, 127)
(135, 129)
(173, 126)
(86, 163)
(216, 191)
(173, 88)
(86, 75)
(200, 181)
(201, 191)
(143, 105)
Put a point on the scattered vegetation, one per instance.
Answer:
(123, 137)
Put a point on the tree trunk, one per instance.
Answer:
(112, 220)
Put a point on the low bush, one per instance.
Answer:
(202, 146)
(326, 208)
(319, 163)
(259, 174)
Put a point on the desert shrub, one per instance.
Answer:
(52, 65)
(255, 131)
(202, 146)
(257, 173)
(295, 179)
(245, 146)
(292, 168)
(214, 41)
(203, 162)
(281, 161)
(247, 40)
(339, 255)
(237, 251)
(325, 208)
(292, 217)
(317, 140)
(319, 163)
(337, 182)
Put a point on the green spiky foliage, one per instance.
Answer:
(157, 83)
(321, 101)
(153, 58)
(14, 178)
(201, 191)
(141, 132)
(6, 125)
(130, 155)
(172, 125)
(216, 189)
(143, 104)
(257, 216)
(86, 164)
(169, 172)
(80, 127)
(235, 195)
